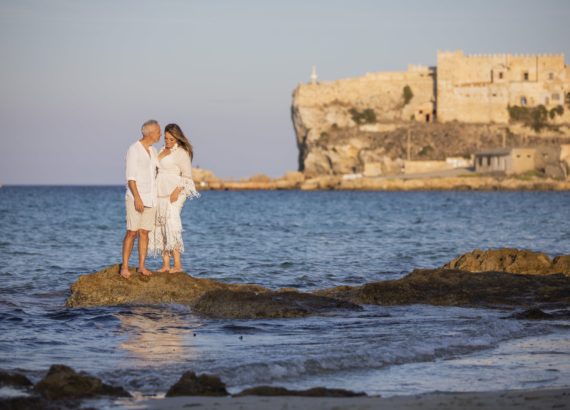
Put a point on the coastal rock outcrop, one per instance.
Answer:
(205, 296)
(192, 385)
(107, 288)
(510, 260)
(502, 277)
(62, 382)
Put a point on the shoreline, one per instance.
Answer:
(503, 399)
(338, 183)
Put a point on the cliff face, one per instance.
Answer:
(383, 119)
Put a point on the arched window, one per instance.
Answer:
(523, 101)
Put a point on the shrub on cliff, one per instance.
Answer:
(532, 117)
(558, 110)
(367, 116)
(407, 94)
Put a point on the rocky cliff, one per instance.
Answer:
(344, 125)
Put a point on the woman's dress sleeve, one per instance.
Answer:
(186, 181)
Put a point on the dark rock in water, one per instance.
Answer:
(252, 305)
(14, 380)
(510, 260)
(203, 385)
(532, 314)
(108, 288)
(537, 314)
(314, 392)
(448, 287)
(62, 382)
(29, 403)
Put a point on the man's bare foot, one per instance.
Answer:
(164, 269)
(176, 269)
(125, 273)
(144, 271)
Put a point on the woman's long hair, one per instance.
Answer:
(176, 132)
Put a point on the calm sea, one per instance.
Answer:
(307, 240)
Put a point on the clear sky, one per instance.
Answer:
(79, 77)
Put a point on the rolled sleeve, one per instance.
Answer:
(131, 168)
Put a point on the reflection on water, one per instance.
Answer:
(157, 335)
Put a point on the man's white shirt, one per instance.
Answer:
(141, 168)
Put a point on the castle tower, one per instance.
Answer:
(314, 77)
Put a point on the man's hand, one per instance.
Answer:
(174, 196)
(139, 206)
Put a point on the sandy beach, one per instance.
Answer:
(514, 399)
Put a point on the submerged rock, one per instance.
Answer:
(510, 260)
(192, 385)
(252, 305)
(451, 287)
(314, 392)
(62, 382)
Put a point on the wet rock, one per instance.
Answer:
(62, 382)
(450, 287)
(510, 260)
(314, 392)
(108, 288)
(252, 305)
(538, 314)
(192, 385)
(14, 380)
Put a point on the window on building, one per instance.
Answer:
(525, 76)
(500, 76)
(551, 76)
(523, 101)
(546, 100)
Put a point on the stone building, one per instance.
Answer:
(480, 88)
(507, 160)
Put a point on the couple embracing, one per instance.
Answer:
(158, 184)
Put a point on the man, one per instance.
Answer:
(140, 198)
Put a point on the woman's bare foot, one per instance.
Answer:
(176, 269)
(164, 269)
(145, 271)
(125, 273)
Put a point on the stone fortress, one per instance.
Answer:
(464, 104)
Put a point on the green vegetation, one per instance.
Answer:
(529, 175)
(425, 150)
(367, 116)
(532, 117)
(407, 94)
(558, 110)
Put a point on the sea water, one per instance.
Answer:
(49, 236)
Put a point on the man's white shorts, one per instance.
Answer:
(139, 220)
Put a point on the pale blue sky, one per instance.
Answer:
(78, 77)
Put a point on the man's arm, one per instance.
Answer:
(139, 205)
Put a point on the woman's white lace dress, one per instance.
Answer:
(174, 170)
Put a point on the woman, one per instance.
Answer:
(174, 185)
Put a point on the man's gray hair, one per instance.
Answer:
(147, 124)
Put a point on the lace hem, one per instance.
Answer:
(189, 188)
